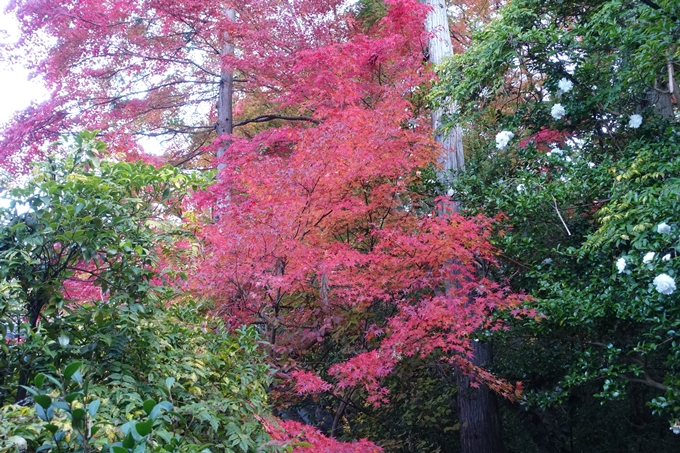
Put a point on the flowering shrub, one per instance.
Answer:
(572, 83)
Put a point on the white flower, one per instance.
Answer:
(621, 264)
(521, 188)
(665, 284)
(64, 340)
(666, 257)
(676, 427)
(503, 138)
(649, 256)
(557, 111)
(565, 85)
(635, 121)
(591, 164)
(663, 228)
(449, 193)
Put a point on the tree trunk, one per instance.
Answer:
(480, 429)
(661, 102)
(225, 120)
(480, 425)
(440, 47)
(34, 308)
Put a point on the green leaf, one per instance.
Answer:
(53, 380)
(70, 370)
(144, 428)
(71, 397)
(78, 414)
(129, 441)
(77, 377)
(38, 380)
(154, 413)
(117, 449)
(43, 400)
(93, 407)
(177, 415)
(18, 441)
(166, 436)
(41, 413)
(167, 405)
(60, 405)
(30, 390)
(149, 405)
(169, 382)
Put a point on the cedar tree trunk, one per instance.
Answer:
(225, 120)
(480, 429)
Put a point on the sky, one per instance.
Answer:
(18, 91)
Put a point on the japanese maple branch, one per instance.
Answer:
(197, 151)
(344, 401)
(265, 118)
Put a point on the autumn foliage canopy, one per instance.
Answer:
(320, 231)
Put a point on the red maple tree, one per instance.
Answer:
(319, 236)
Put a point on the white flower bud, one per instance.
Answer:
(557, 111)
(663, 228)
(621, 264)
(64, 340)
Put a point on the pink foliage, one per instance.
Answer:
(544, 138)
(292, 433)
(306, 382)
(146, 68)
(316, 227)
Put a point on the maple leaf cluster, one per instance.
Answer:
(302, 437)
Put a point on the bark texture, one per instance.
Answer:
(225, 119)
(480, 425)
(440, 47)
(661, 102)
